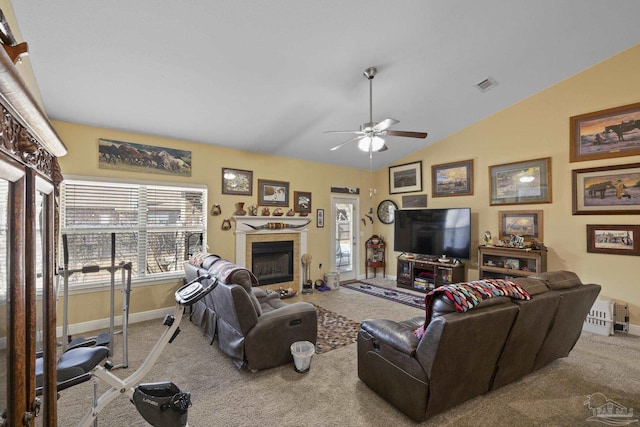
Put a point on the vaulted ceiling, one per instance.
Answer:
(273, 76)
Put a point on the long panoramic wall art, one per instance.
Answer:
(132, 157)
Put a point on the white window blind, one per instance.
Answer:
(155, 227)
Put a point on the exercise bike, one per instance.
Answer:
(160, 404)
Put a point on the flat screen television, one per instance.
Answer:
(433, 232)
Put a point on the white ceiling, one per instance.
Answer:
(272, 76)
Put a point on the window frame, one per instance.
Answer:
(142, 229)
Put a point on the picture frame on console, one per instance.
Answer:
(521, 183)
(237, 181)
(606, 190)
(526, 224)
(613, 239)
(605, 134)
(406, 178)
(452, 179)
(273, 193)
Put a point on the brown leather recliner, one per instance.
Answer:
(252, 326)
(463, 355)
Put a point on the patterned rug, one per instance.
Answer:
(405, 298)
(334, 330)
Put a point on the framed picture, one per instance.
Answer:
(606, 190)
(613, 239)
(414, 201)
(604, 134)
(405, 178)
(273, 193)
(452, 179)
(133, 157)
(320, 218)
(521, 182)
(237, 181)
(512, 263)
(527, 224)
(301, 202)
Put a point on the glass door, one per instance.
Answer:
(344, 212)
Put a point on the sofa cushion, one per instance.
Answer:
(561, 279)
(533, 286)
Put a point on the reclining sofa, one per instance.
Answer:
(253, 326)
(463, 355)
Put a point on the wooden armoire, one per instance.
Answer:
(29, 178)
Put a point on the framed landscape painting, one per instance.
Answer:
(613, 239)
(606, 190)
(452, 179)
(405, 178)
(527, 224)
(604, 134)
(521, 182)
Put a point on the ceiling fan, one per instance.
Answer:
(370, 135)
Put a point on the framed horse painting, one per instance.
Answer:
(604, 134)
(607, 190)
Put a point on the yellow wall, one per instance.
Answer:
(534, 128)
(207, 164)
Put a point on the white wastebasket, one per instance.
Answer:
(302, 352)
(332, 279)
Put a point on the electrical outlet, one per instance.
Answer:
(320, 266)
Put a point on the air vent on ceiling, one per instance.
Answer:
(486, 84)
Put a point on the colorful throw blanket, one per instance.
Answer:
(224, 270)
(465, 296)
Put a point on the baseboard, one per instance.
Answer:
(634, 330)
(94, 325)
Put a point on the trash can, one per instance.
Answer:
(302, 352)
(332, 279)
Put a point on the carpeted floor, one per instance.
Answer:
(386, 293)
(331, 394)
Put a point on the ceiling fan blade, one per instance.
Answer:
(385, 147)
(385, 124)
(407, 134)
(357, 132)
(355, 138)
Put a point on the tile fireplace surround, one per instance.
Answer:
(245, 236)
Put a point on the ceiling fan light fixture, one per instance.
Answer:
(376, 143)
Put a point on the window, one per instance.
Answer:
(155, 227)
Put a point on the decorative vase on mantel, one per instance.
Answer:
(240, 211)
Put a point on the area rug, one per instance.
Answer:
(405, 298)
(334, 330)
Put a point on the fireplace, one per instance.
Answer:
(272, 262)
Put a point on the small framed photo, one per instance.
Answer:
(414, 201)
(605, 134)
(301, 202)
(237, 181)
(320, 218)
(606, 190)
(273, 193)
(521, 182)
(613, 239)
(452, 179)
(405, 178)
(526, 224)
(512, 263)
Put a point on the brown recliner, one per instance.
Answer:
(252, 326)
(463, 355)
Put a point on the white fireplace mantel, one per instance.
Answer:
(243, 227)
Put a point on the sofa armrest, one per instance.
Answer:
(393, 334)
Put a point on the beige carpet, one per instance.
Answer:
(331, 394)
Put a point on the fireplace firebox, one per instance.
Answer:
(272, 262)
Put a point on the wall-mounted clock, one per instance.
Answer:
(387, 211)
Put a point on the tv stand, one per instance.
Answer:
(424, 273)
